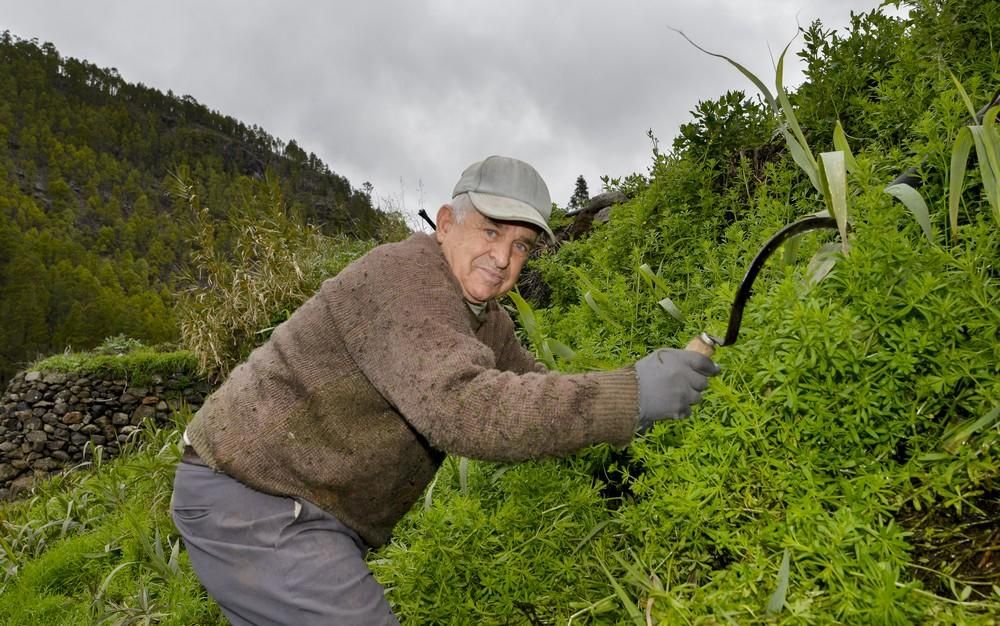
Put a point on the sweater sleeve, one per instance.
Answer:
(421, 354)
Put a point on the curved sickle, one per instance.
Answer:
(743, 293)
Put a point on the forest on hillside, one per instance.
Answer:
(92, 244)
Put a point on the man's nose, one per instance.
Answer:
(501, 255)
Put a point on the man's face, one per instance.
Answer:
(485, 255)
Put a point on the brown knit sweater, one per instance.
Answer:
(354, 400)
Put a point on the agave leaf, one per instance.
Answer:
(791, 251)
(654, 280)
(560, 349)
(777, 601)
(526, 314)
(959, 161)
(915, 203)
(758, 83)
(822, 262)
(463, 475)
(429, 494)
(840, 143)
(803, 159)
(788, 110)
(958, 435)
(982, 153)
(992, 146)
(833, 175)
(964, 95)
(671, 309)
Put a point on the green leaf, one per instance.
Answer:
(840, 143)
(834, 178)
(789, 111)
(627, 602)
(790, 251)
(758, 83)
(671, 309)
(955, 437)
(803, 159)
(915, 203)
(986, 172)
(560, 349)
(777, 601)
(965, 97)
(822, 262)
(959, 161)
(525, 314)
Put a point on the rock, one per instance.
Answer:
(59, 455)
(7, 446)
(119, 419)
(22, 483)
(31, 377)
(35, 436)
(150, 400)
(141, 413)
(33, 395)
(73, 417)
(55, 378)
(162, 406)
(46, 464)
(7, 471)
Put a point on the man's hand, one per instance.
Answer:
(670, 381)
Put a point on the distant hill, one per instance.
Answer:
(90, 241)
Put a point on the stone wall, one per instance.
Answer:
(53, 420)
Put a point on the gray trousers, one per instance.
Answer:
(272, 560)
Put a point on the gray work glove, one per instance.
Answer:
(670, 381)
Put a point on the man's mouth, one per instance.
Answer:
(492, 275)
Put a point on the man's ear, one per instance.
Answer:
(445, 221)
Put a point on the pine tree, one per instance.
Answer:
(581, 196)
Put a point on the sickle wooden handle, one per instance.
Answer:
(701, 346)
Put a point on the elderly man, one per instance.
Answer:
(312, 450)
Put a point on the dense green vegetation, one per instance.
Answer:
(843, 468)
(91, 243)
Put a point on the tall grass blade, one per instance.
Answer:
(672, 310)
(822, 263)
(915, 203)
(525, 314)
(463, 475)
(992, 144)
(803, 159)
(750, 75)
(986, 172)
(965, 97)
(662, 289)
(560, 349)
(959, 162)
(957, 436)
(833, 174)
(429, 495)
(777, 601)
(627, 602)
(789, 112)
(840, 143)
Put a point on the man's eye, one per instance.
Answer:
(491, 233)
(522, 247)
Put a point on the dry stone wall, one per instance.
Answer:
(53, 420)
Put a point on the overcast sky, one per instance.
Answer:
(406, 93)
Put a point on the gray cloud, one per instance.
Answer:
(401, 93)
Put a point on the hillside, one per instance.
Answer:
(91, 243)
(844, 468)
